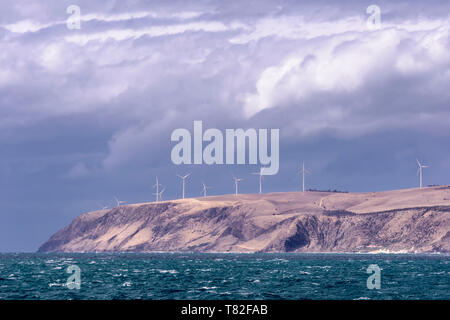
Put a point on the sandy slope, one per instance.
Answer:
(410, 220)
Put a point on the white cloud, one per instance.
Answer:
(244, 64)
(343, 64)
(300, 27)
(28, 25)
(182, 15)
(297, 27)
(24, 26)
(156, 31)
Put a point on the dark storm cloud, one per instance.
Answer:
(86, 115)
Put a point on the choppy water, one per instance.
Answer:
(223, 276)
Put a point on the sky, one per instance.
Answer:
(86, 114)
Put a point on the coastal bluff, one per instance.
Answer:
(403, 221)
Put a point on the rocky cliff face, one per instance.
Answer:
(396, 221)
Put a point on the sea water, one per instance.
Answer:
(223, 276)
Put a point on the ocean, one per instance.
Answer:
(224, 276)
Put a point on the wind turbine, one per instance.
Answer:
(160, 194)
(157, 184)
(236, 181)
(183, 178)
(260, 178)
(303, 171)
(118, 202)
(204, 188)
(419, 172)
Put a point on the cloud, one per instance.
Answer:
(24, 26)
(157, 31)
(357, 67)
(87, 114)
(28, 25)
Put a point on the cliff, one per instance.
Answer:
(413, 220)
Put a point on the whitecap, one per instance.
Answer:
(278, 260)
(55, 284)
(304, 272)
(167, 271)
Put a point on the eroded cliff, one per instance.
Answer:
(411, 220)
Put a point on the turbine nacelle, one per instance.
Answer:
(183, 177)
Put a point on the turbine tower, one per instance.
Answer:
(204, 188)
(260, 178)
(303, 171)
(419, 172)
(236, 181)
(157, 184)
(184, 179)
